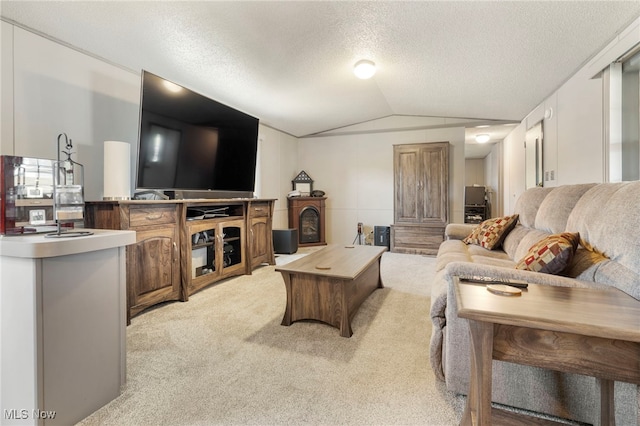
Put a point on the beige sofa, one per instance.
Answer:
(607, 216)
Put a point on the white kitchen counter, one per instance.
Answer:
(38, 246)
(63, 325)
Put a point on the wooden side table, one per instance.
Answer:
(576, 330)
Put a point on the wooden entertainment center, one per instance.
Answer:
(183, 246)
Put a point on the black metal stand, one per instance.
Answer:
(359, 236)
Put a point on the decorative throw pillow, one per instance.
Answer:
(490, 233)
(551, 255)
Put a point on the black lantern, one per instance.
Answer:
(303, 183)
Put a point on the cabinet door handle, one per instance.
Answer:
(154, 216)
(175, 251)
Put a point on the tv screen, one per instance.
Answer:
(193, 143)
(474, 195)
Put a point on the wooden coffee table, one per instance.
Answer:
(330, 284)
(585, 331)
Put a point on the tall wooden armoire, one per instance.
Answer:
(421, 192)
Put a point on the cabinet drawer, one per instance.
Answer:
(259, 209)
(152, 215)
(417, 237)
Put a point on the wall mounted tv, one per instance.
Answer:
(191, 146)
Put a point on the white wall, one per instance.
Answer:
(573, 136)
(48, 89)
(580, 150)
(493, 180)
(356, 172)
(6, 88)
(60, 90)
(474, 173)
(513, 167)
(277, 166)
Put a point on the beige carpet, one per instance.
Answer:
(224, 358)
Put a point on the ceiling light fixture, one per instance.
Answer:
(483, 138)
(364, 69)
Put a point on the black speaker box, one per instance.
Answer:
(285, 241)
(382, 236)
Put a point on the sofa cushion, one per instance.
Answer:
(556, 207)
(452, 251)
(527, 241)
(458, 231)
(479, 251)
(607, 218)
(490, 233)
(513, 239)
(494, 261)
(551, 255)
(617, 275)
(528, 203)
(585, 264)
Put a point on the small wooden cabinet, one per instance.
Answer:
(307, 215)
(177, 254)
(260, 236)
(421, 204)
(153, 262)
(154, 268)
(213, 248)
(475, 213)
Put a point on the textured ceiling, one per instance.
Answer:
(289, 63)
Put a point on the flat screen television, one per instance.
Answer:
(474, 195)
(191, 146)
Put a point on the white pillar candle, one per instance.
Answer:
(117, 171)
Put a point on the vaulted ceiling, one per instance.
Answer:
(289, 63)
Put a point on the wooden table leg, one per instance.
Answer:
(286, 319)
(478, 409)
(607, 402)
(345, 309)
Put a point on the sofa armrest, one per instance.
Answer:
(438, 322)
(458, 231)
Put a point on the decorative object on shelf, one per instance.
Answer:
(317, 193)
(68, 192)
(117, 171)
(26, 195)
(303, 184)
(150, 194)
